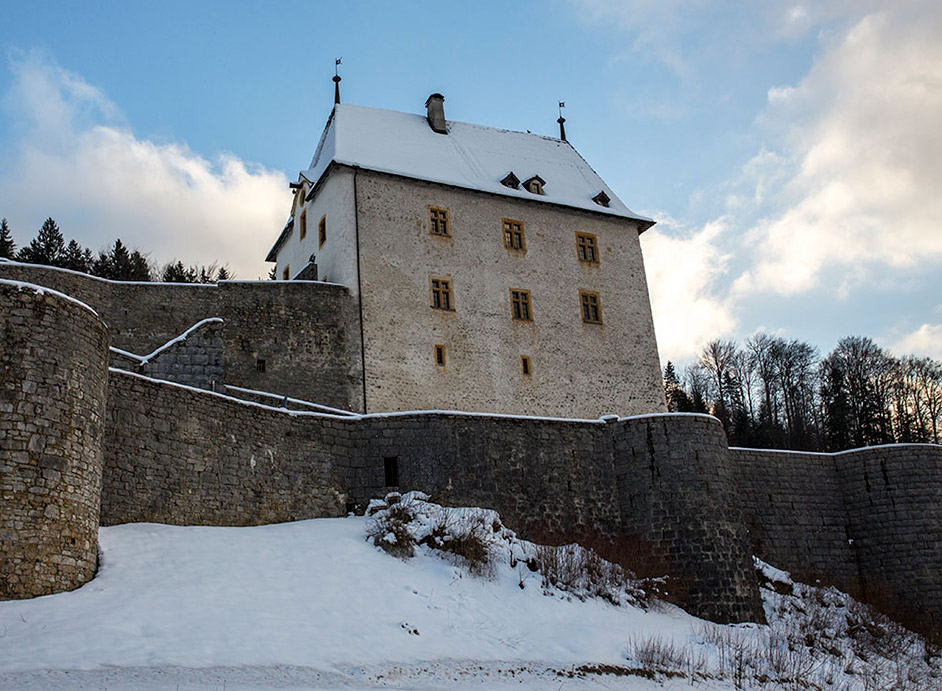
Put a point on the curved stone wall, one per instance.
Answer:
(868, 521)
(53, 377)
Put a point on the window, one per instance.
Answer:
(322, 231)
(601, 199)
(441, 294)
(588, 251)
(513, 235)
(391, 471)
(438, 221)
(520, 305)
(510, 180)
(440, 355)
(286, 273)
(525, 366)
(591, 307)
(260, 365)
(300, 198)
(534, 185)
(302, 225)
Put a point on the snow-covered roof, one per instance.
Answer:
(469, 156)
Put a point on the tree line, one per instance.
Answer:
(117, 263)
(771, 392)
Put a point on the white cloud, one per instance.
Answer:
(77, 161)
(863, 160)
(926, 341)
(683, 268)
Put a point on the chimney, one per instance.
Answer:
(436, 113)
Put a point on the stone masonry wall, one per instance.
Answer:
(793, 504)
(53, 371)
(294, 327)
(181, 456)
(867, 520)
(893, 497)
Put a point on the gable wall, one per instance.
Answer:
(579, 370)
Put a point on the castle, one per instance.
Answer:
(501, 293)
(493, 271)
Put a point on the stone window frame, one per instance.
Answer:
(302, 226)
(300, 200)
(587, 248)
(439, 223)
(526, 366)
(521, 305)
(440, 354)
(442, 295)
(286, 273)
(322, 231)
(590, 304)
(514, 235)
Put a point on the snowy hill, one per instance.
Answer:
(313, 604)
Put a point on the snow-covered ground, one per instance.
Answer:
(313, 604)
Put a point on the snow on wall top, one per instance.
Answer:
(469, 156)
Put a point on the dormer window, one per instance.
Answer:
(601, 199)
(511, 181)
(534, 185)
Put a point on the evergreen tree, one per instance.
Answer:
(76, 258)
(677, 399)
(120, 265)
(48, 247)
(7, 246)
(175, 272)
(139, 267)
(223, 274)
(273, 274)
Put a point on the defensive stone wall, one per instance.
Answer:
(271, 331)
(646, 486)
(53, 371)
(867, 520)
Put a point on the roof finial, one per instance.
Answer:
(562, 121)
(337, 62)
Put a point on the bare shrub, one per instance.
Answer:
(582, 573)
(389, 525)
(658, 654)
(466, 534)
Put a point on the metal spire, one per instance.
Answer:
(562, 121)
(337, 80)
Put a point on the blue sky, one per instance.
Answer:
(789, 150)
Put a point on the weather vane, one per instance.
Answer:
(562, 121)
(337, 63)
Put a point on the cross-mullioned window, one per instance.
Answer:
(513, 235)
(438, 221)
(441, 294)
(587, 247)
(591, 307)
(520, 305)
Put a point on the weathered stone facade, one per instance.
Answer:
(867, 520)
(576, 369)
(53, 373)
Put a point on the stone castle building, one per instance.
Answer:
(458, 268)
(494, 271)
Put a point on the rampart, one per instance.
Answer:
(270, 331)
(662, 490)
(176, 455)
(53, 371)
(868, 521)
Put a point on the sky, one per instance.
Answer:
(790, 151)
